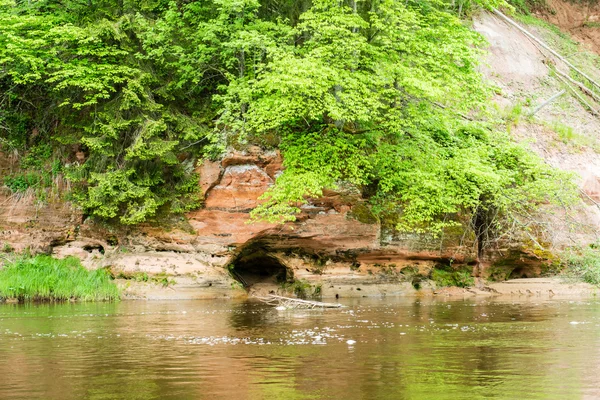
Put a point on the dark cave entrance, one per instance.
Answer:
(256, 266)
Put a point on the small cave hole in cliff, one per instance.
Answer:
(257, 267)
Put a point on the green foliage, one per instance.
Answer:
(371, 95)
(583, 264)
(566, 133)
(37, 156)
(83, 76)
(163, 279)
(570, 137)
(43, 278)
(135, 276)
(22, 182)
(528, 6)
(444, 277)
(514, 115)
(37, 171)
(351, 110)
(160, 278)
(466, 169)
(303, 289)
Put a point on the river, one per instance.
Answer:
(372, 349)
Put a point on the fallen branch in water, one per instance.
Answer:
(290, 303)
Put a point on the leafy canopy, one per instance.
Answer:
(381, 95)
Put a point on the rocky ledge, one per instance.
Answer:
(336, 248)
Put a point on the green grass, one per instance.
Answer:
(449, 277)
(43, 278)
(583, 264)
(566, 133)
(568, 136)
(513, 115)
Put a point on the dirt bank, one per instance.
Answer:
(581, 19)
(518, 289)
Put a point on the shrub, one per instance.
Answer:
(22, 182)
(303, 289)
(450, 277)
(583, 264)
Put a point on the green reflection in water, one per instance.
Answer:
(405, 349)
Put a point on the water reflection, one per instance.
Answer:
(414, 349)
(248, 315)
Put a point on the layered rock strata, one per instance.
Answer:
(328, 248)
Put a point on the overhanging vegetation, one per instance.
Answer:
(123, 97)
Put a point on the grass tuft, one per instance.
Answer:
(43, 278)
(444, 277)
(583, 264)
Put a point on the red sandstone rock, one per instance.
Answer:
(210, 172)
(226, 228)
(239, 188)
(213, 236)
(591, 187)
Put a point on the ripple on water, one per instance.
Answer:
(373, 349)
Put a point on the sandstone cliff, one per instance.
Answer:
(335, 246)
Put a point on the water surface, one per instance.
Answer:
(373, 349)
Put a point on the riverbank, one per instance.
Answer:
(179, 276)
(526, 288)
(336, 247)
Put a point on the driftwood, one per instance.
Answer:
(580, 97)
(545, 103)
(586, 90)
(290, 303)
(545, 46)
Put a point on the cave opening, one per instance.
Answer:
(258, 267)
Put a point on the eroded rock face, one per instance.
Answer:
(579, 18)
(327, 246)
(591, 188)
(239, 188)
(332, 243)
(510, 54)
(25, 224)
(522, 70)
(324, 226)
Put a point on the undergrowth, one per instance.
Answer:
(529, 6)
(43, 278)
(569, 136)
(303, 289)
(583, 264)
(447, 276)
(160, 278)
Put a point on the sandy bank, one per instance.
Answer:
(535, 288)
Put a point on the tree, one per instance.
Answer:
(381, 95)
